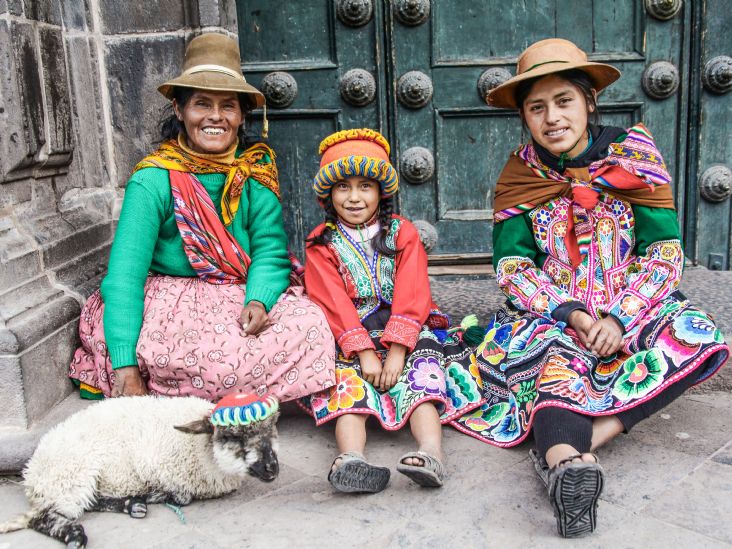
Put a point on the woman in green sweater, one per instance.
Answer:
(197, 298)
(595, 335)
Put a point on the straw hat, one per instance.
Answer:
(212, 62)
(359, 151)
(548, 57)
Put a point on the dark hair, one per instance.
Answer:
(386, 208)
(577, 77)
(169, 125)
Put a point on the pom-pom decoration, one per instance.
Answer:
(243, 409)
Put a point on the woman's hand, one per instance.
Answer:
(370, 365)
(128, 382)
(253, 318)
(581, 322)
(605, 337)
(393, 367)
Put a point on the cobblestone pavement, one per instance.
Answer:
(668, 482)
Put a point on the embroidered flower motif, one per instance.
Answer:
(279, 358)
(257, 371)
(197, 382)
(292, 375)
(103, 375)
(215, 356)
(229, 381)
(578, 365)
(642, 373)
(694, 328)
(160, 294)
(426, 375)
(388, 410)
(605, 226)
(261, 390)
(631, 305)
(191, 336)
(278, 328)
(560, 229)
(312, 334)
(190, 359)
(219, 328)
(507, 429)
(82, 376)
(299, 311)
(319, 365)
(101, 348)
(541, 303)
(348, 390)
(525, 391)
(157, 336)
(162, 360)
(542, 216)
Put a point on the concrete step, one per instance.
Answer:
(17, 445)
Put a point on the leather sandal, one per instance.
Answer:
(355, 474)
(574, 489)
(430, 474)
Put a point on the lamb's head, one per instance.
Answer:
(243, 430)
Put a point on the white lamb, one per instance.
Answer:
(122, 453)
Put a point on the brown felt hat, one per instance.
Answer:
(548, 57)
(212, 62)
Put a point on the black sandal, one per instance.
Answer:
(574, 489)
(355, 474)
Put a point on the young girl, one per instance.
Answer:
(367, 269)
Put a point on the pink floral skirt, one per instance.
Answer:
(191, 343)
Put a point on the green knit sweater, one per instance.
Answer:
(147, 239)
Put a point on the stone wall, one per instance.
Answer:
(78, 109)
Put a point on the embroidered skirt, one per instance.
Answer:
(441, 369)
(528, 363)
(191, 343)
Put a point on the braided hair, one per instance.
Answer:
(386, 209)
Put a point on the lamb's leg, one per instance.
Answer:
(56, 525)
(134, 506)
(169, 497)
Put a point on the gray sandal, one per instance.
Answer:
(430, 474)
(574, 489)
(355, 474)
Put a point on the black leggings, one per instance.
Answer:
(554, 426)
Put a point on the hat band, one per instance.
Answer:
(213, 68)
(532, 67)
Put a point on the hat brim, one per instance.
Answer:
(214, 82)
(504, 96)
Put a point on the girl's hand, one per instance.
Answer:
(128, 382)
(581, 322)
(605, 337)
(253, 318)
(393, 367)
(370, 365)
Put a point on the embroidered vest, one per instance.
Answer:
(373, 280)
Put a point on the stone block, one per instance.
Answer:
(32, 326)
(43, 11)
(218, 13)
(77, 243)
(14, 7)
(135, 68)
(80, 270)
(15, 192)
(57, 154)
(88, 168)
(12, 412)
(76, 14)
(27, 295)
(21, 100)
(44, 368)
(160, 16)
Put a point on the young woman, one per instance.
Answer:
(595, 335)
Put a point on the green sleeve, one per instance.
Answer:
(654, 225)
(515, 237)
(269, 271)
(123, 288)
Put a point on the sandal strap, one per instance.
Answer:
(430, 461)
(567, 460)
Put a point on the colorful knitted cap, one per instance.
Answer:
(359, 151)
(243, 409)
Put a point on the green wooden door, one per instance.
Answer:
(319, 75)
(431, 62)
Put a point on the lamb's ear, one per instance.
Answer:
(198, 427)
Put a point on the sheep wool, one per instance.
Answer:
(243, 409)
